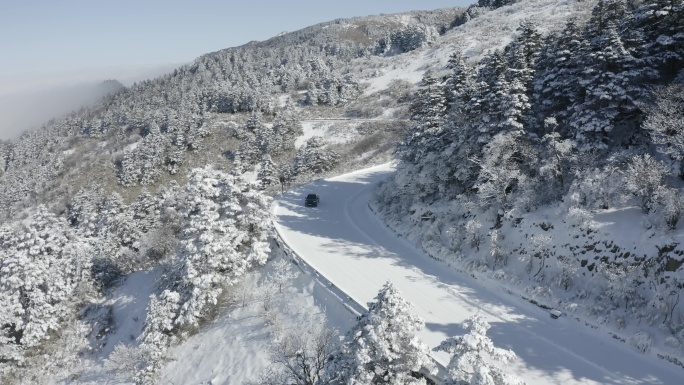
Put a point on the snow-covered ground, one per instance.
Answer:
(488, 32)
(235, 348)
(334, 130)
(344, 241)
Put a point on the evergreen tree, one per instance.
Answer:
(607, 113)
(521, 56)
(224, 234)
(474, 357)
(84, 209)
(314, 158)
(556, 88)
(492, 93)
(661, 23)
(427, 113)
(286, 128)
(267, 173)
(145, 211)
(459, 171)
(383, 347)
(44, 273)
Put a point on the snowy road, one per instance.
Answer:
(344, 241)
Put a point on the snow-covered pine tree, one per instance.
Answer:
(267, 173)
(314, 157)
(142, 164)
(423, 145)
(286, 128)
(157, 335)
(474, 358)
(555, 85)
(225, 233)
(521, 55)
(459, 171)
(661, 23)
(145, 211)
(44, 274)
(612, 83)
(491, 96)
(84, 209)
(383, 347)
(427, 114)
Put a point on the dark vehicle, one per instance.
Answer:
(311, 200)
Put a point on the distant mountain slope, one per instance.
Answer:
(184, 105)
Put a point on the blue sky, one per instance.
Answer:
(66, 35)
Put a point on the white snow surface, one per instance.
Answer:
(350, 247)
(331, 130)
(235, 348)
(484, 34)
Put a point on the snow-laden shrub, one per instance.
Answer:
(570, 307)
(541, 244)
(580, 217)
(473, 233)
(598, 188)
(496, 248)
(642, 341)
(456, 236)
(568, 271)
(541, 292)
(124, 362)
(622, 282)
(499, 275)
(644, 175)
(666, 207)
(673, 342)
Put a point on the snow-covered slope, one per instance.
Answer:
(347, 244)
(488, 32)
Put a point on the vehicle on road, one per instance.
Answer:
(311, 200)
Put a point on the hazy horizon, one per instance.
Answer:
(30, 100)
(57, 45)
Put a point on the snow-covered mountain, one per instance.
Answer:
(535, 149)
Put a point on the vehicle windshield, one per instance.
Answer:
(311, 196)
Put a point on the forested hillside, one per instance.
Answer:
(520, 129)
(174, 173)
(555, 166)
